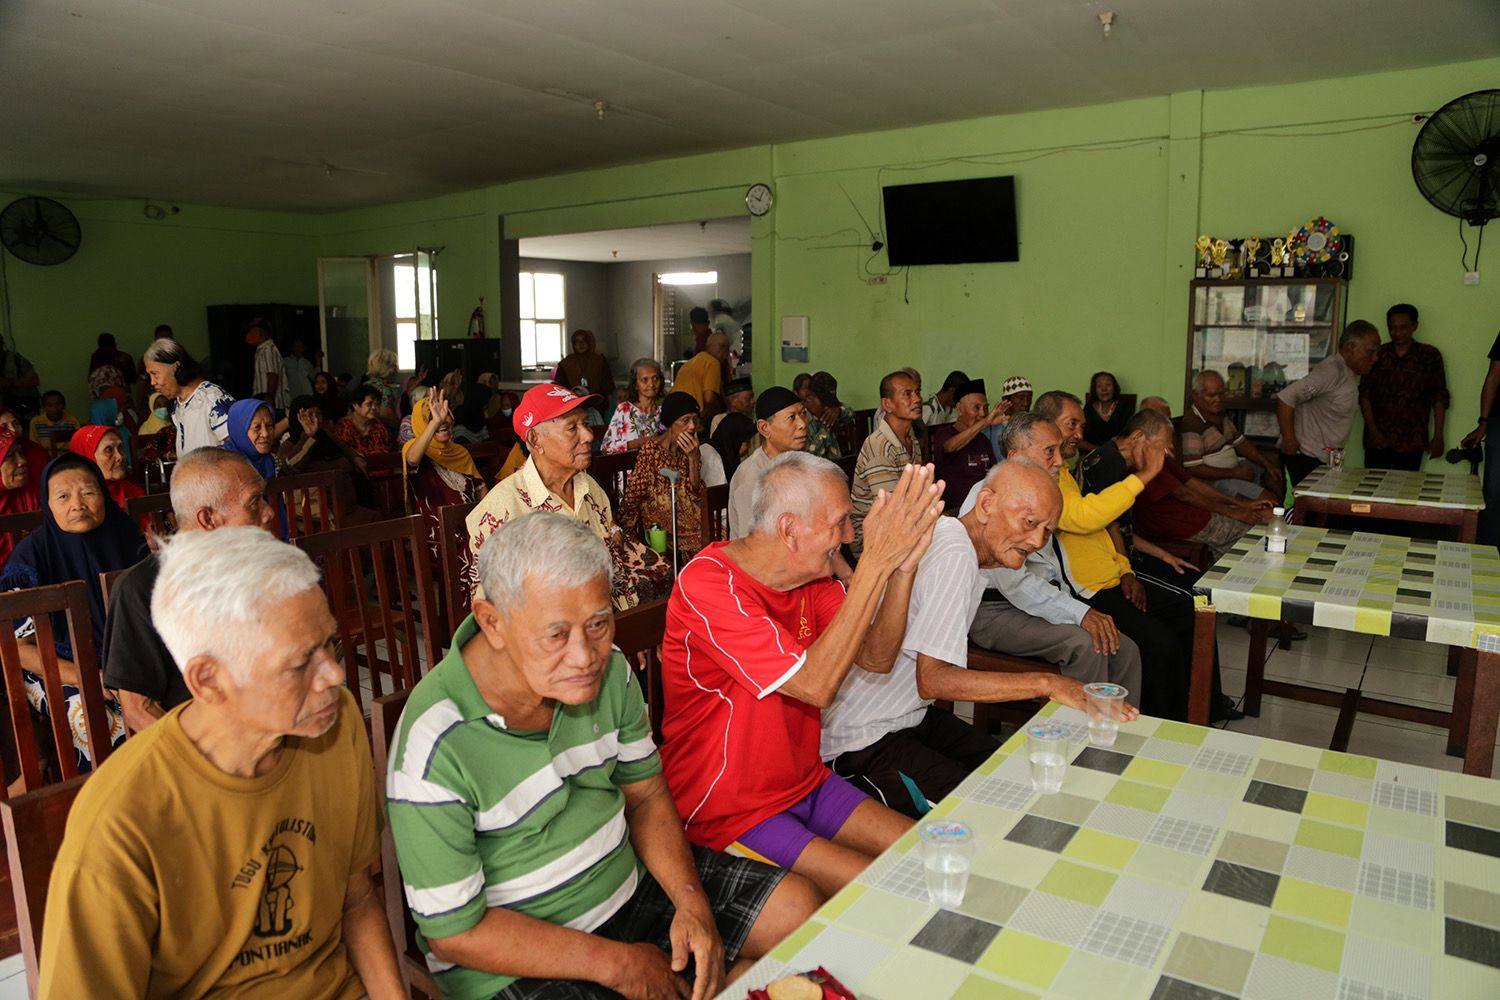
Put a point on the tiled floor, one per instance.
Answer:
(12, 979)
(1394, 669)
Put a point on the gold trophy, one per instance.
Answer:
(1251, 248)
(1204, 246)
(1220, 251)
(1278, 254)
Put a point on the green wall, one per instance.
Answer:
(1110, 199)
(131, 273)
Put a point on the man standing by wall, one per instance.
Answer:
(1316, 412)
(270, 375)
(1406, 383)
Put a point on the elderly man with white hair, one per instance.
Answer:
(883, 731)
(211, 488)
(537, 840)
(226, 850)
(759, 640)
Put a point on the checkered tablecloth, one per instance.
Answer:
(1426, 489)
(1183, 863)
(1443, 592)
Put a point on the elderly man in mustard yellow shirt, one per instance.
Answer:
(1158, 616)
(703, 377)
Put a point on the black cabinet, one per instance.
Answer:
(231, 361)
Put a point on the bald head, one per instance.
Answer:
(717, 344)
(1015, 513)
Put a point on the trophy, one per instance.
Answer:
(1252, 248)
(1204, 246)
(1278, 254)
(1220, 251)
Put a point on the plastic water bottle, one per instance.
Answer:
(1276, 533)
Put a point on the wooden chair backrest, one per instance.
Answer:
(638, 634)
(38, 604)
(852, 436)
(384, 472)
(311, 500)
(20, 524)
(611, 472)
(488, 457)
(716, 514)
(34, 825)
(107, 581)
(453, 553)
(385, 717)
(846, 464)
(394, 554)
(156, 506)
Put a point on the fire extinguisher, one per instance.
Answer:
(476, 321)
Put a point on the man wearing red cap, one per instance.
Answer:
(552, 420)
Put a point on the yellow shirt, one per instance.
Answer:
(178, 880)
(699, 377)
(1083, 530)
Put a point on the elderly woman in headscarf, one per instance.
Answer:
(252, 427)
(438, 472)
(36, 456)
(81, 536)
(106, 448)
(647, 500)
(18, 491)
(587, 373)
(154, 438)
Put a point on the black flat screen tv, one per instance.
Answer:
(951, 222)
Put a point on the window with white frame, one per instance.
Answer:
(543, 319)
(414, 281)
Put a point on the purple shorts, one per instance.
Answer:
(780, 839)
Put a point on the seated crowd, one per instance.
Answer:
(544, 832)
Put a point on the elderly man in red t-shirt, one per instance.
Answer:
(759, 639)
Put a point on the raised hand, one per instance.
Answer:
(440, 410)
(311, 419)
(898, 528)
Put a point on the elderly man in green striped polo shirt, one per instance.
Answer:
(540, 849)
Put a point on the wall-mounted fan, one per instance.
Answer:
(39, 230)
(1456, 158)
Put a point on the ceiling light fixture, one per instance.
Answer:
(1107, 22)
(599, 108)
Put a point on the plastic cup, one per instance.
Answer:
(947, 857)
(1047, 749)
(657, 539)
(1104, 703)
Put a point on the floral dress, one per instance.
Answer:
(629, 423)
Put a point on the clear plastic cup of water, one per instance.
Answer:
(1047, 749)
(1104, 704)
(947, 857)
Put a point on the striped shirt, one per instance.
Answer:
(483, 815)
(881, 459)
(944, 599)
(268, 363)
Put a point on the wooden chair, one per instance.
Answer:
(34, 825)
(39, 604)
(384, 473)
(864, 423)
(850, 437)
(312, 504)
(158, 508)
(393, 556)
(453, 552)
(18, 526)
(989, 715)
(107, 580)
(611, 472)
(716, 514)
(385, 716)
(846, 464)
(488, 457)
(638, 634)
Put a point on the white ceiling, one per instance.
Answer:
(674, 241)
(327, 104)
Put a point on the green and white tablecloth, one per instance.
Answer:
(1426, 489)
(1183, 863)
(1443, 592)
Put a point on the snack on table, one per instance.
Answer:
(818, 984)
(794, 988)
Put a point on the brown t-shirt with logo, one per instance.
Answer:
(178, 880)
